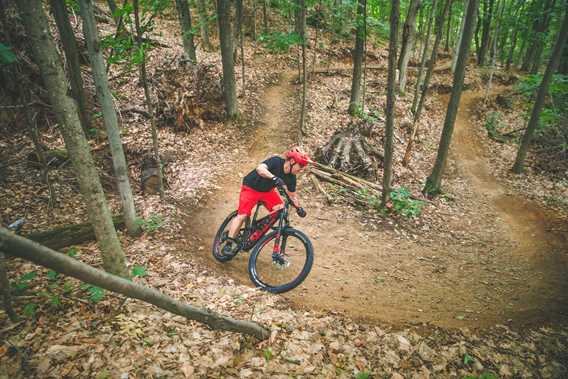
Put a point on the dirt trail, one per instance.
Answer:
(374, 276)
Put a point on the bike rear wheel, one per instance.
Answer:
(281, 273)
(218, 241)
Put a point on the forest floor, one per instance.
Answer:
(475, 284)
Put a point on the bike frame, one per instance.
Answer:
(281, 218)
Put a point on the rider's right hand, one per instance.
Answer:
(278, 181)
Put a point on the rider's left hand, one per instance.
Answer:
(301, 212)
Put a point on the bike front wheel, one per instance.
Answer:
(286, 270)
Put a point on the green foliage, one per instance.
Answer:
(22, 284)
(52, 275)
(95, 294)
(402, 203)
(485, 375)
(279, 42)
(267, 354)
(151, 224)
(72, 251)
(363, 375)
(468, 359)
(6, 55)
(493, 124)
(138, 271)
(30, 309)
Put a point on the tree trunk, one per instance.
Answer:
(253, 17)
(433, 58)
(447, 47)
(109, 116)
(500, 9)
(204, 24)
(354, 103)
(73, 65)
(423, 59)
(487, 16)
(149, 105)
(542, 91)
(111, 6)
(538, 36)
(541, 39)
(20, 247)
(304, 76)
(434, 181)
(457, 48)
(237, 28)
(184, 14)
(514, 32)
(408, 36)
(242, 48)
(391, 83)
(265, 16)
(43, 46)
(5, 288)
(226, 40)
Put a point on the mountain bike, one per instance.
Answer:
(277, 269)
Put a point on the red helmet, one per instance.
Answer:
(298, 157)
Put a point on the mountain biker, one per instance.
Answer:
(260, 186)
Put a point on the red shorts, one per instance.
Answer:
(249, 198)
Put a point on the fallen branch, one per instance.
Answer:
(320, 188)
(23, 248)
(68, 235)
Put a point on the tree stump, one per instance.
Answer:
(149, 178)
(348, 150)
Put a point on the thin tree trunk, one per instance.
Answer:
(303, 37)
(500, 9)
(149, 105)
(485, 35)
(184, 14)
(73, 65)
(423, 59)
(111, 6)
(226, 40)
(513, 43)
(203, 24)
(109, 116)
(354, 103)
(447, 47)
(237, 28)
(253, 26)
(265, 16)
(433, 58)
(45, 53)
(408, 36)
(542, 91)
(391, 83)
(541, 41)
(364, 84)
(434, 181)
(20, 247)
(242, 48)
(458, 43)
(5, 288)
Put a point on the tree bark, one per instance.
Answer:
(20, 247)
(149, 105)
(449, 25)
(109, 116)
(542, 91)
(354, 103)
(204, 24)
(536, 38)
(237, 28)
(408, 36)
(423, 59)
(73, 65)
(44, 50)
(434, 181)
(500, 10)
(391, 83)
(226, 40)
(304, 76)
(487, 16)
(184, 14)
(541, 37)
(433, 58)
(265, 16)
(458, 43)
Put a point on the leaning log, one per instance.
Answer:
(23, 248)
(68, 235)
